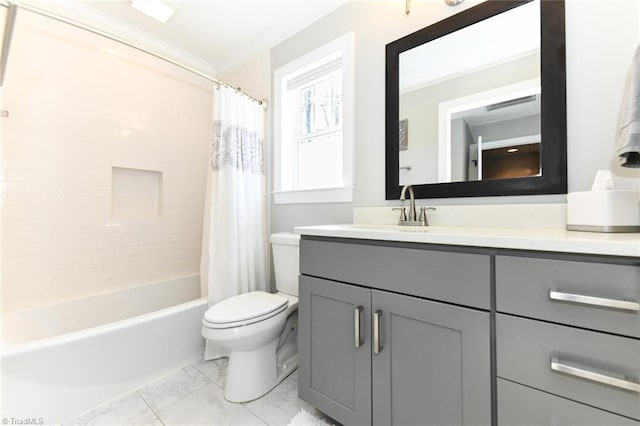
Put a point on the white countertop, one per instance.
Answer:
(556, 240)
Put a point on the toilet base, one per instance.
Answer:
(261, 355)
(251, 374)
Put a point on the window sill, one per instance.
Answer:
(343, 194)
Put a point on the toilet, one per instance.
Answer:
(258, 329)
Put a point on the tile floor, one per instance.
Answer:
(193, 396)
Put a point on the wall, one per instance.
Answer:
(80, 105)
(374, 23)
(421, 106)
(507, 129)
(460, 133)
(601, 39)
(252, 77)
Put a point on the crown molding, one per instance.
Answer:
(84, 14)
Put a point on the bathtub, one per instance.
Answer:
(61, 360)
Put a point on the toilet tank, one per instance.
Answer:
(286, 261)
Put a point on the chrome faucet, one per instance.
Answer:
(412, 202)
(412, 219)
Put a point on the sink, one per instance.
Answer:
(419, 229)
(393, 228)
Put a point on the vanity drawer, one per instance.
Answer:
(523, 406)
(461, 278)
(551, 358)
(536, 288)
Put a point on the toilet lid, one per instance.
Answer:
(245, 307)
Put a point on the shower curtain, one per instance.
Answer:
(234, 245)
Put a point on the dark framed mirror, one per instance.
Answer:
(476, 103)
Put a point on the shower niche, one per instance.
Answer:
(135, 193)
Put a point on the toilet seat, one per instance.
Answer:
(244, 309)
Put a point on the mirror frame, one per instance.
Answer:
(553, 106)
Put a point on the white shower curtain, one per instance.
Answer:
(234, 244)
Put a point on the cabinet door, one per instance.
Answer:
(335, 376)
(433, 365)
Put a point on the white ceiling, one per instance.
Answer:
(215, 34)
(507, 36)
(479, 116)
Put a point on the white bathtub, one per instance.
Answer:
(63, 359)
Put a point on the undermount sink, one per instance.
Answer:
(395, 228)
(413, 229)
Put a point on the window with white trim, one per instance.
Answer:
(314, 126)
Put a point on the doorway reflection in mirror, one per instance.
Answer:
(448, 87)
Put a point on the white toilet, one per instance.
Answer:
(259, 329)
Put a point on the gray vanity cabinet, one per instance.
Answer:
(524, 406)
(334, 376)
(432, 367)
(567, 331)
(368, 355)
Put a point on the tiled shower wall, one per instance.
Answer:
(80, 106)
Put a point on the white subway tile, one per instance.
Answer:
(63, 140)
(13, 188)
(117, 262)
(117, 252)
(153, 248)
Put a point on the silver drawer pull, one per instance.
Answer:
(557, 365)
(595, 301)
(377, 346)
(357, 312)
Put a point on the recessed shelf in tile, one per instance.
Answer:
(135, 193)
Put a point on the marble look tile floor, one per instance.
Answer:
(193, 396)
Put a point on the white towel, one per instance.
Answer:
(304, 418)
(628, 137)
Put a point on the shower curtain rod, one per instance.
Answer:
(115, 38)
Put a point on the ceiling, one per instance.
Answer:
(218, 34)
(473, 48)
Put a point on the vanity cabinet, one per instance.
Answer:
(567, 333)
(432, 367)
(334, 376)
(524, 406)
(394, 334)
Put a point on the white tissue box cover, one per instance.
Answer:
(606, 208)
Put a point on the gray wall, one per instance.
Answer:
(374, 23)
(420, 107)
(601, 40)
(460, 150)
(522, 126)
(285, 216)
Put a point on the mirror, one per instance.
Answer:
(475, 104)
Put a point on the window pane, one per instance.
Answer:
(321, 104)
(320, 161)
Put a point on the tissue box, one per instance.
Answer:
(610, 210)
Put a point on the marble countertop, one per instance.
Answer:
(543, 239)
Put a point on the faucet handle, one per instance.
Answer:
(403, 213)
(423, 215)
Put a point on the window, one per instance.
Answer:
(313, 126)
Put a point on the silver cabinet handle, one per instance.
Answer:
(357, 312)
(557, 365)
(377, 346)
(595, 301)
